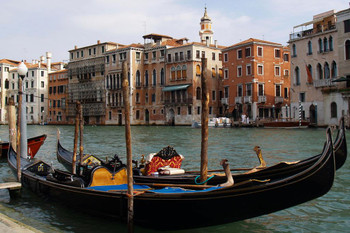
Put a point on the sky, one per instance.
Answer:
(30, 28)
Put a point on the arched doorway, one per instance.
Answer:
(147, 116)
(313, 114)
(171, 117)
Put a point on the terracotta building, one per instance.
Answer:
(58, 95)
(256, 80)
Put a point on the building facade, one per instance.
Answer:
(315, 61)
(57, 97)
(256, 80)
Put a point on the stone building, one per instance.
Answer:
(256, 79)
(315, 61)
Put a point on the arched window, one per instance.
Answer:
(309, 48)
(297, 75)
(110, 81)
(115, 81)
(326, 71)
(137, 98)
(198, 70)
(325, 44)
(138, 78)
(146, 78)
(334, 110)
(7, 84)
(330, 43)
(119, 81)
(107, 79)
(154, 77)
(334, 71)
(320, 47)
(178, 72)
(198, 93)
(173, 73)
(319, 71)
(347, 50)
(294, 50)
(162, 77)
(184, 71)
(309, 67)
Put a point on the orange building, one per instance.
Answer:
(256, 80)
(57, 104)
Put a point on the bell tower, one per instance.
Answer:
(206, 34)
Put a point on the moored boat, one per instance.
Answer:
(286, 124)
(247, 198)
(34, 145)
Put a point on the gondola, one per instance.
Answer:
(34, 145)
(174, 208)
(340, 147)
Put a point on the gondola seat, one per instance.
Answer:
(166, 157)
(101, 176)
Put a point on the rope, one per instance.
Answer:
(195, 180)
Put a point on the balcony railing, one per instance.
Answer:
(262, 99)
(308, 32)
(278, 99)
(323, 83)
(247, 99)
(238, 100)
(224, 101)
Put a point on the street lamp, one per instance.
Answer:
(22, 71)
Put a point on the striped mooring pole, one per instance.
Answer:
(300, 113)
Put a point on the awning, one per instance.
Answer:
(176, 88)
(341, 79)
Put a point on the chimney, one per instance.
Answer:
(48, 61)
(75, 47)
(216, 43)
(98, 41)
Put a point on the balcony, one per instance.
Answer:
(262, 99)
(238, 100)
(309, 32)
(224, 101)
(248, 99)
(323, 83)
(278, 99)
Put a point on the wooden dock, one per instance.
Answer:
(13, 188)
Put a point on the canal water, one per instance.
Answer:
(330, 212)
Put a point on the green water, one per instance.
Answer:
(328, 213)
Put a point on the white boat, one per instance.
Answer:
(214, 122)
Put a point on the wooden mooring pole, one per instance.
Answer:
(11, 110)
(76, 135)
(204, 121)
(81, 133)
(126, 96)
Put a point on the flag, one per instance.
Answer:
(309, 76)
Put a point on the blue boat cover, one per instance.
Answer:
(182, 190)
(121, 187)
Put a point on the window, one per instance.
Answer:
(162, 53)
(247, 52)
(198, 110)
(286, 57)
(213, 95)
(334, 110)
(220, 72)
(198, 70)
(103, 49)
(346, 26)
(94, 50)
(213, 56)
(32, 73)
(278, 90)
(146, 57)
(260, 51)
(213, 72)
(137, 114)
(178, 72)
(226, 74)
(162, 77)
(277, 71)
(153, 98)
(198, 54)
(225, 57)
(198, 93)
(325, 44)
(334, 72)
(277, 53)
(203, 54)
(71, 56)
(42, 98)
(178, 110)
(326, 71)
(154, 77)
(169, 57)
(320, 46)
(286, 92)
(210, 110)
(89, 52)
(261, 89)
(42, 73)
(42, 84)
(294, 50)
(138, 78)
(188, 54)
(347, 50)
(226, 92)
(189, 110)
(319, 71)
(248, 89)
(239, 90)
(173, 73)
(239, 71)
(146, 78)
(31, 98)
(330, 41)
(297, 76)
(154, 55)
(260, 69)
(309, 48)
(7, 84)
(82, 53)
(32, 83)
(239, 54)
(302, 96)
(249, 69)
